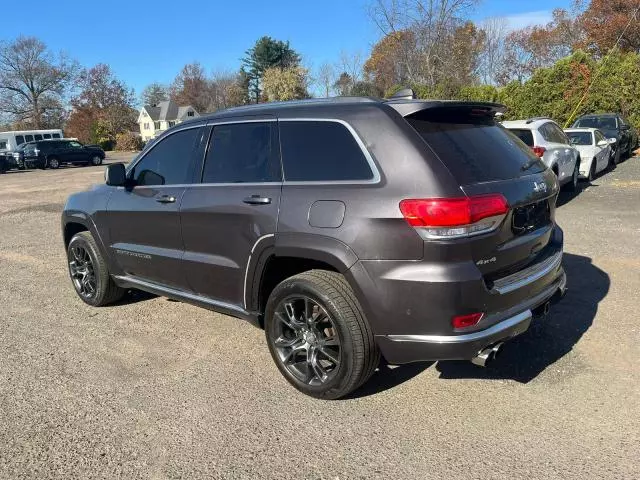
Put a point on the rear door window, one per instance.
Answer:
(243, 153)
(321, 151)
(474, 148)
(523, 134)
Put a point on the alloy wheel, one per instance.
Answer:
(96, 160)
(82, 272)
(306, 340)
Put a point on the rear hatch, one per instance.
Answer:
(485, 158)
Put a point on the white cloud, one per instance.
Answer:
(527, 19)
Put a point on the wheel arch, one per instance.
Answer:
(290, 255)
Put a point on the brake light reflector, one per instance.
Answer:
(454, 217)
(538, 151)
(462, 321)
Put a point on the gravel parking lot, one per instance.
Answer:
(153, 388)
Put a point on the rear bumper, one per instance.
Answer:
(406, 348)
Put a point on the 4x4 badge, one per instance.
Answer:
(539, 187)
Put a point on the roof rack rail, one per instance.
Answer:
(533, 119)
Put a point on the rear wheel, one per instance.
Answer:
(89, 273)
(318, 336)
(96, 160)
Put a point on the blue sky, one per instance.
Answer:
(143, 44)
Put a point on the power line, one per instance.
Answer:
(595, 77)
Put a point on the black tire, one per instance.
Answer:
(96, 160)
(105, 291)
(615, 159)
(53, 162)
(572, 185)
(358, 354)
(592, 171)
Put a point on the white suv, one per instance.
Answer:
(551, 144)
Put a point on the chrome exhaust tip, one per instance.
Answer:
(487, 355)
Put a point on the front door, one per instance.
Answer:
(74, 152)
(233, 210)
(144, 218)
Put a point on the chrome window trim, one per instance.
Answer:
(246, 270)
(131, 166)
(213, 123)
(367, 155)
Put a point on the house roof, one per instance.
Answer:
(168, 111)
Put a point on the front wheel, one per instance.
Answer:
(592, 171)
(89, 273)
(572, 186)
(53, 162)
(318, 335)
(96, 160)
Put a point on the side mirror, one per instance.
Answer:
(603, 143)
(115, 175)
(624, 128)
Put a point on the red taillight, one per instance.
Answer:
(462, 321)
(439, 218)
(538, 151)
(452, 212)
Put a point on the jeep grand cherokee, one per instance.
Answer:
(347, 228)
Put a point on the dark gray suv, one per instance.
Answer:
(347, 228)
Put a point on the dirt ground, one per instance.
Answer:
(158, 389)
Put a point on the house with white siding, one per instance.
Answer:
(154, 119)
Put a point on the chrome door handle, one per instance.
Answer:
(166, 199)
(257, 200)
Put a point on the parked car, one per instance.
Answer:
(53, 153)
(596, 151)
(615, 126)
(548, 142)
(347, 228)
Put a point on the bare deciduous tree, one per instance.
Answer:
(33, 81)
(326, 77)
(432, 24)
(492, 55)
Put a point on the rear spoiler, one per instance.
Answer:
(407, 107)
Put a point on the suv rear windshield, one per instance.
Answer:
(579, 138)
(474, 147)
(523, 134)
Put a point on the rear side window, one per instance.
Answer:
(47, 136)
(19, 139)
(56, 135)
(168, 162)
(474, 148)
(523, 134)
(3, 144)
(321, 151)
(38, 137)
(243, 153)
(29, 138)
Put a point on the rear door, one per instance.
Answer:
(485, 158)
(558, 150)
(75, 153)
(144, 219)
(233, 212)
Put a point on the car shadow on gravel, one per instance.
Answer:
(548, 339)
